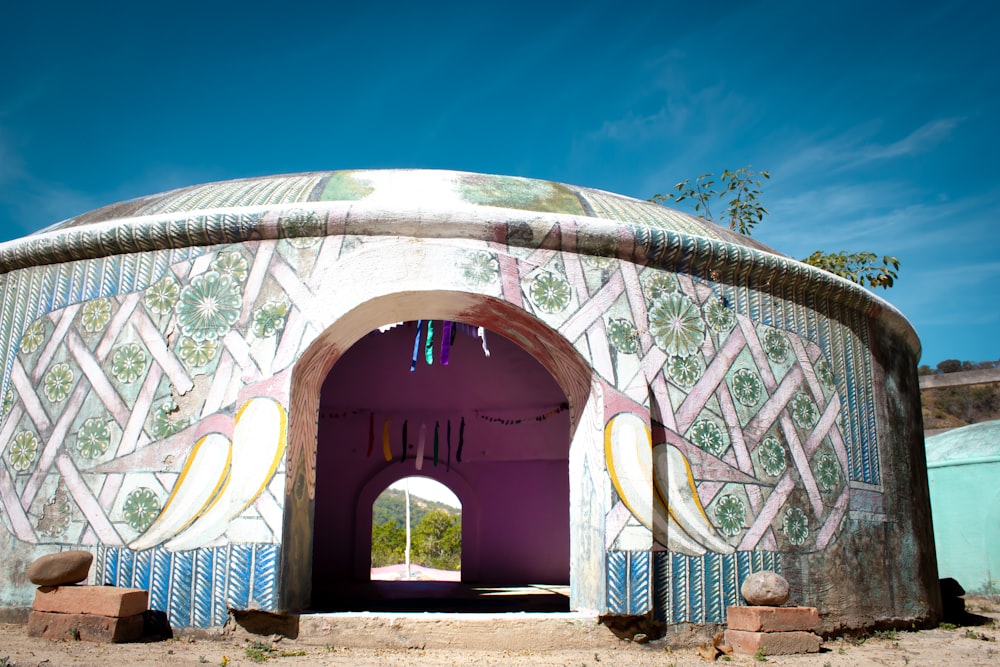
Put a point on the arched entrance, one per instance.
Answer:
(496, 427)
(526, 477)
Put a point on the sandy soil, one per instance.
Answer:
(968, 646)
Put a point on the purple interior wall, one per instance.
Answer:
(512, 479)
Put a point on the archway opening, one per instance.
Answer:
(416, 532)
(491, 424)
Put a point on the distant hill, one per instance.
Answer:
(391, 506)
(951, 407)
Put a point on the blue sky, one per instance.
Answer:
(877, 120)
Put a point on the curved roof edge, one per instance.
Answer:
(718, 253)
(974, 443)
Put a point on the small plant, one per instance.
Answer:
(888, 635)
(74, 633)
(948, 626)
(259, 651)
(202, 659)
(292, 654)
(761, 654)
(224, 662)
(5, 662)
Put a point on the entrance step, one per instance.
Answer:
(521, 631)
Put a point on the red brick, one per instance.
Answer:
(91, 628)
(773, 643)
(773, 619)
(98, 600)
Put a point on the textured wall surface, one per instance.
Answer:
(729, 410)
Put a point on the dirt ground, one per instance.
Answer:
(966, 645)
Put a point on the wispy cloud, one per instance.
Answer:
(919, 140)
(854, 148)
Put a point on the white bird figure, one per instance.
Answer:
(657, 486)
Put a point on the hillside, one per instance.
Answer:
(391, 506)
(951, 407)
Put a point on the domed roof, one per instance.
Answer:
(421, 188)
(975, 442)
(437, 204)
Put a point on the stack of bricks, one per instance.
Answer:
(63, 609)
(767, 628)
(759, 630)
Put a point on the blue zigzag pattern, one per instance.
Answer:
(196, 588)
(697, 589)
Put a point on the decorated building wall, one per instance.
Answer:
(727, 410)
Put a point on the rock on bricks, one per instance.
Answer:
(62, 610)
(773, 630)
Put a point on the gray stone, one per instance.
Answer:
(59, 569)
(766, 589)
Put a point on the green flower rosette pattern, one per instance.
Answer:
(804, 412)
(685, 371)
(58, 381)
(162, 425)
(232, 264)
(772, 456)
(481, 268)
(550, 293)
(676, 325)
(707, 435)
(825, 375)
(827, 471)
(795, 526)
(730, 513)
(270, 319)
(23, 451)
(7, 404)
(161, 296)
(128, 362)
(623, 336)
(141, 507)
(209, 306)
(747, 387)
(93, 438)
(301, 229)
(95, 315)
(33, 336)
(196, 353)
(659, 284)
(776, 345)
(720, 319)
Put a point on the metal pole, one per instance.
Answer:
(406, 491)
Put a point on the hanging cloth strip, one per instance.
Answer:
(437, 428)
(429, 345)
(402, 456)
(420, 446)
(386, 448)
(447, 466)
(416, 347)
(447, 338)
(461, 441)
(481, 332)
(371, 434)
